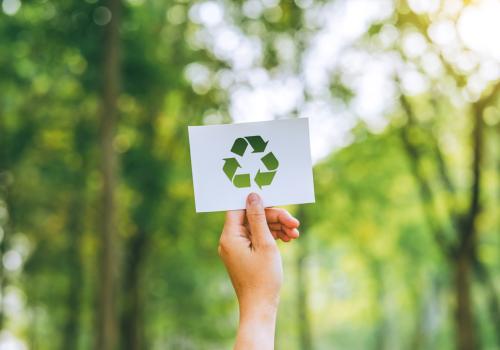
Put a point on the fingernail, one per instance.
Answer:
(253, 198)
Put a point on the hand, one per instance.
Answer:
(248, 249)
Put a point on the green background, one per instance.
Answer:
(100, 244)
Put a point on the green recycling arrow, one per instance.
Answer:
(270, 161)
(239, 146)
(242, 180)
(230, 167)
(264, 178)
(257, 143)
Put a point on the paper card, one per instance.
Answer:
(270, 158)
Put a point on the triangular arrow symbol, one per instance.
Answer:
(230, 167)
(257, 143)
(242, 180)
(264, 178)
(239, 146)
(270, 161)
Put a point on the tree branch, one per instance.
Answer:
(425, 190)
(469, 227)
(444, 174)
(487, 281)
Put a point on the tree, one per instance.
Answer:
(460, 251)
(106, 317)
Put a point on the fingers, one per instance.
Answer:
(280, 222)
(281, 216)
(284, 237)
(291, 233)
(235, 217)
(256, 217)
(280, 235)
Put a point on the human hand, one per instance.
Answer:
(248, 249)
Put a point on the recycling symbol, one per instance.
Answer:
(262, 178)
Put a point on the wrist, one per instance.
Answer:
(257, 326)
(261, 312)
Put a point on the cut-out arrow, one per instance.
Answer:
(264, 178)
(242, 180)
(270, 161)
(230, 167)
(257, 143)
(239, 146)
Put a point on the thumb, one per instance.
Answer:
(256, 217)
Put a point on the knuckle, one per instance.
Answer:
(282, 211)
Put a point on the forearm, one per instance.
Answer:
(256, 328)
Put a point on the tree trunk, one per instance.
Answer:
(74, 263)
(465, 332)
(3, 248)
(381, 329)
(106, 313)
(304, 326)
(493, 303)
(464, 320)
(133, 306)
(4, 226)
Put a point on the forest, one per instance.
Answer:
(100, 244)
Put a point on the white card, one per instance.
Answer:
(270, 158)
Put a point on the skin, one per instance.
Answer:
(249, 251)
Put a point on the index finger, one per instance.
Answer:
(235, 217)
(281, 216)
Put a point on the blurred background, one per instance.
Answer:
(100, 245)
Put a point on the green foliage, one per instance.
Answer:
(376, 278)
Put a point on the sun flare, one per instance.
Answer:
(479, 28)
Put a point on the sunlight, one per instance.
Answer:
(479, 26)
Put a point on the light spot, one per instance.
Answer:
(414, 44)
(209, 13)
(199, 76)
(10, 7)
(478, 27)
(432, 65)
(12, 260)
(176, 14)
(226, 41)
(413, 83)
(4, 214)
(270, 3)
(388, 35)
(492, 116)
(253, 9)
(304, 4)
(443, 32)
(273, 14)
(9, 341)
(102, 16)
(424, 6)
(213, 118)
